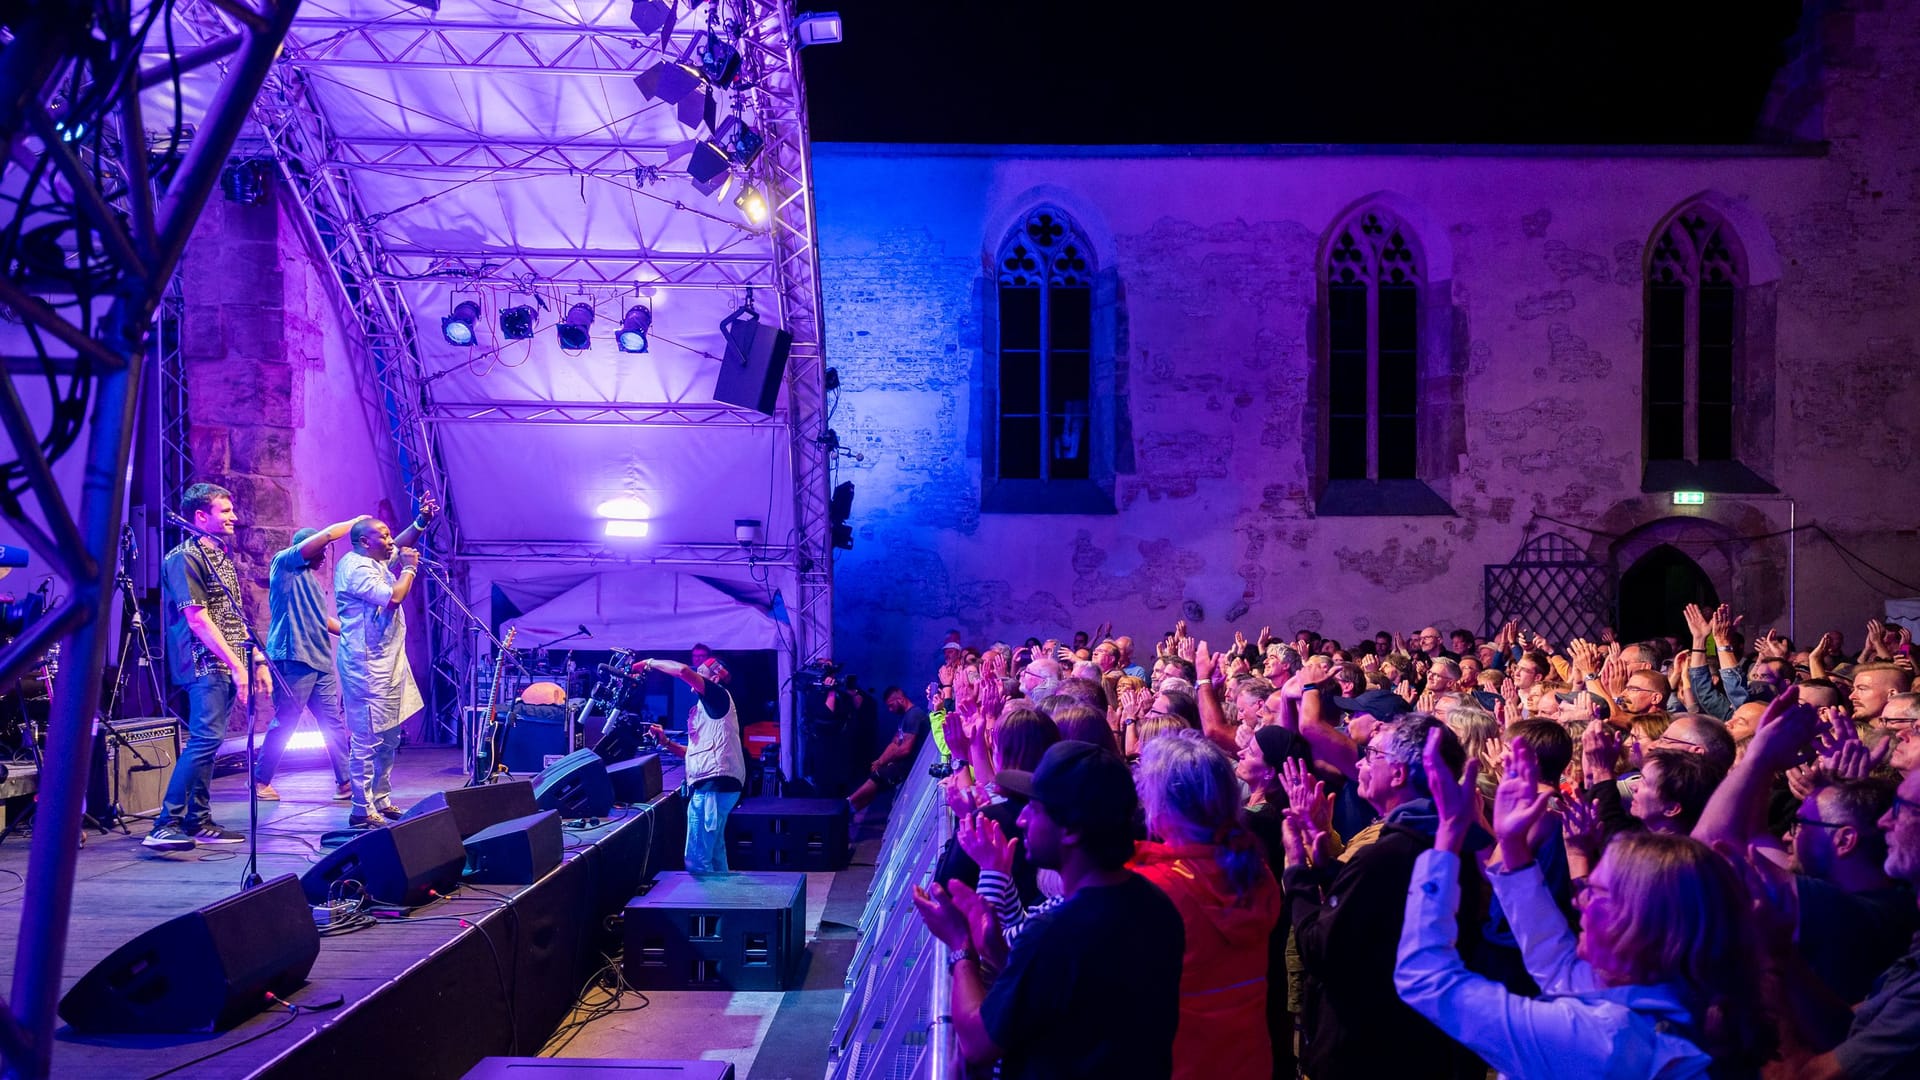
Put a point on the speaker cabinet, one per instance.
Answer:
(537, 733)
(576, 785)
(507, 1068)
(133, 765)
(789, 834)
(737, 931)
(397, 864)
(517, 852)
(477, 808)
(756, 358)
(204, 971)
(635, 780)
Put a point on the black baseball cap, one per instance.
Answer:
(1078, 783)
(1380, 704)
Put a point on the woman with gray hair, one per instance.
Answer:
(1210, 866)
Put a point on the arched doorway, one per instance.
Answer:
(1655, 589)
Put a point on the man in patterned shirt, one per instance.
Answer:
(207, 655)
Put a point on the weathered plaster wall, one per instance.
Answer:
(1216, 259)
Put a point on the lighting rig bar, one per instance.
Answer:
(602, 414)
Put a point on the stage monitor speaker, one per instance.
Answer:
(789, 834)
(204, 971)
(477, 808)
(509, 1068)
(756, 358)
(517, 852)
(635, 780)
(395, 865)
(576, 785)
(138, 769)
(738, 931)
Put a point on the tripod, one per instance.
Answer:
(134, 637)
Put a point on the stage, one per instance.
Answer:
(488, 971)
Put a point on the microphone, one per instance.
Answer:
(184, 523)
(583, 631)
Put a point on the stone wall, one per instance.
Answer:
(1216, 255)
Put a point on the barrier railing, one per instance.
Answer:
(893, 1023)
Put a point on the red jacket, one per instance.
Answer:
(1223, 975)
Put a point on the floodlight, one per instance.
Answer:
(624, 508)
(668, 81)
(818, 28)
(752, 204)
(718, 59)
(739, 142)
(632, 337)
(627, 529)
(458, 327)
(572, 330)
(708, 167)
(245, 181)
(516, 323)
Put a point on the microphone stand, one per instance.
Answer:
(472, 737)
(135, 637)
(250, 872)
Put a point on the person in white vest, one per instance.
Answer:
(716, 762)
(376, 683)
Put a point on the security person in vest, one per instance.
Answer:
(716, 762)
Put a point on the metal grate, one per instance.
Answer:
(1553, 588)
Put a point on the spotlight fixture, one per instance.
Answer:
(817, 28)
(739, 142)
(516, 323)
(632, 337)
(572, 330)
(708, 168)
(653, 16)
(627, 530)
(245, 181)
(752, 204)
(668, 81)
(457, 328)
(719, 60)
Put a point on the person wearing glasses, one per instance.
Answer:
(1901, 721)
(1853, 919)
(1646, 692)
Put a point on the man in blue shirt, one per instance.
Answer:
(300, 643)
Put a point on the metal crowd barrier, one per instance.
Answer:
(892, 1026)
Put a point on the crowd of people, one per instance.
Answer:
(1431, 855)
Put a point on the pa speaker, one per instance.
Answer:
(517, 852)
(506, 1068)
(395, 865)
(205, 971)
(635, 780)
(756, 358)
(576, 785)
(738, 931)
(477, 808)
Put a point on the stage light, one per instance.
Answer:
(631, 530)
(818, 28)
(572, 331)
(719, 61)
(624, 508)
(746, 531)
(752, 204)
(708, 168)
(839, 509)
(739, 142)
(668, 81)
(516, 323)
(457, 328)
(245, 182)
(632, 337)
(652, 16)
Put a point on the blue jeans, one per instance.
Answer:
(188, 801)
(707, 812)
(298, 689)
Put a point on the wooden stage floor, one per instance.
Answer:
(122, 889)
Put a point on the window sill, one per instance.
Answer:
(1719, 477)
(1381, 498)
(1045, 497)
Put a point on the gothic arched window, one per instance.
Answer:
(1374, 272)
(1044, 407)
(1694, 338)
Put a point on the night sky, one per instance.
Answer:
(1046, 71)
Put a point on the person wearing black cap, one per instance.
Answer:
(1069, 1003)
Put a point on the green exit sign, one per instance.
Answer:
(1689, 498)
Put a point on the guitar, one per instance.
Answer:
(488, 761)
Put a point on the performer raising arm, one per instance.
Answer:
(716, 762)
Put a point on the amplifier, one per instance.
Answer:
(132, 766)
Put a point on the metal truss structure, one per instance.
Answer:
(598, 413)
(83, 173)
(520, 551)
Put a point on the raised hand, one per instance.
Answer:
(983, 926)
(994, 665)
(1783, 732)
(1770, 646)
(1697, 624)
(966, 691)
(986, 843)
(993, 695)
(409, 558)
(1580, 827)
(1518, 805)
(1613, 676)
(1455, 799)
(1802, 780)
(1306, 793)
(942, 916)
(1854, 761)
(1237, 667)
(1599, 752)
(429, 507)
(1722, 625)
(1266, 638)
(1203, 664)
(1184, 648)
